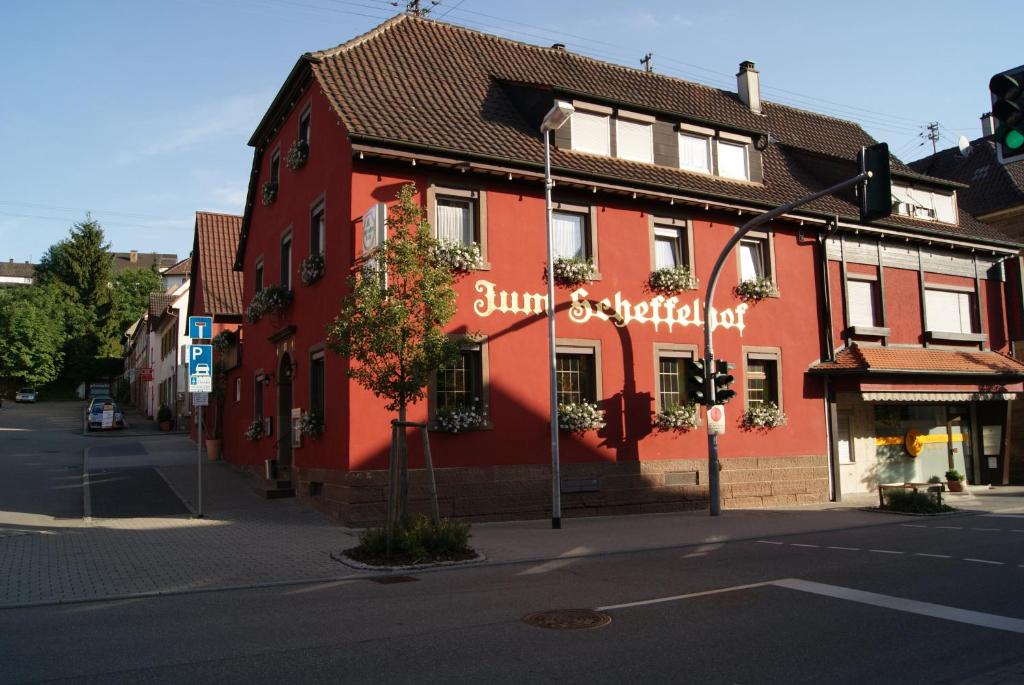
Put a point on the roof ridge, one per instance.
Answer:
(362, 38)
(203, 211)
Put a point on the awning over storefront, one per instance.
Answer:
(938, 397)
(979, 366)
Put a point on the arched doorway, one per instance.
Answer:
(284, 412)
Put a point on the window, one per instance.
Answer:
(258, 278)
(670, 374)
(461, 384)
(670, 247)
(591, 132)
(761, 371)
(316, 382)
(695, 152)
(919, 203)
(455, 221)
(949, 311)
(860, 295)
(286, 260)
(569, 235)
(317, 229)
(732, 161)
(275, 167)
(634, 140)
(304, 125)
(755, 258)
(577, 367)
(238, 390)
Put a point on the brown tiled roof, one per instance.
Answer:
(158, 302)
(143, 260)
(182, 268)
(17, 269)
(920, 360)
(216, 241)
(422, 84)
(992, 186)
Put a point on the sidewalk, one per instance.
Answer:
(247, 541)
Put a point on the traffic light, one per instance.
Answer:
(876, 191)
(696, 382)
(722, 380)
(1007, 91)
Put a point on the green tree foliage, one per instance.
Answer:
(32, 327)
(390, 324)
(129, 298)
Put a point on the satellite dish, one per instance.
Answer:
(965, 146)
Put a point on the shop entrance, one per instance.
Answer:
(961, 449)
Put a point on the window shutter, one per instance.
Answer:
(693, 153)
(943, 309)
(861, 297)
(634, 141)
(732, 161)
(590, 133)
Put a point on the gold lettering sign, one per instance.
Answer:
(657, 311)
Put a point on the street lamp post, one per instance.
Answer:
(554, 119)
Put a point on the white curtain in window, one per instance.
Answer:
(948, 311)
(590, 133)
(732, 160)
(568, 235)
(666, 248)
(454, 221)
(751, 264)
(861, 296)
(943, 205)
(634, 140)
(693, 153)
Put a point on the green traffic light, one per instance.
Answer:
(1014, 139)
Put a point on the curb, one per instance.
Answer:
(343, 558)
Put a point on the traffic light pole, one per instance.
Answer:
(714, 487)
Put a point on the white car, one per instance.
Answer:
(202, 369)
(26, 395)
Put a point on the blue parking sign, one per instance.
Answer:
(200, 368)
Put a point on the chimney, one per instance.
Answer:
(10, 261)
(133, 257)
(748, 86)
(558, 46)
(988, 126)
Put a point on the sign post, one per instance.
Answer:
(200, 383)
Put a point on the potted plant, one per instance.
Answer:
(255, 430)
(682, 417)
(756, 289)
(460, 257)
(670, 280)
(269, 193)
(461, 418)
(297, 155)
(312, 269)
(954, 481)
(571, 271)
(763, 415)
(164, 417)
(312, 424)
(579, 417)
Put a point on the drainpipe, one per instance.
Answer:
(829, 354)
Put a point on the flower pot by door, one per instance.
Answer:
(165, 425)
(955, 485)
(213, 450)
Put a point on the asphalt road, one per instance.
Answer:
(923, 600)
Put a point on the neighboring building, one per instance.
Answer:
(651, 172)
(993, 193)
(216, 291)
(14, 274)
(122, 261)
(168, 336)
(176, 275)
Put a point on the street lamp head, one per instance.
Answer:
(557, 116)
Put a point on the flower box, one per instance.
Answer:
(756, 289)
(255, 430)
(671, 279)
(579, 417)
(273, 298)
(312, 424)
(763, 415)
(459, 257)
(571, 271)
(297, 155)
(268, 193)
(312, 269)
(461, 419)
(682, 417)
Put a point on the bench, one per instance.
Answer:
(937, 488)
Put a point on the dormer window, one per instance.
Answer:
(695, 152)
(634, 137)
(591, 129)
(717, 152)
(732, 160)
(928, 205)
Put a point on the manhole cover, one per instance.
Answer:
(568, 619)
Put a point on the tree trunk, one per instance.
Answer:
(403, 470)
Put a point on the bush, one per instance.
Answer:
(164, 414)
(953, 474)
(909, 502)
(416, 543)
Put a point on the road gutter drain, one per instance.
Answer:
(568, 619)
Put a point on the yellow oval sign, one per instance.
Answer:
(912, 442)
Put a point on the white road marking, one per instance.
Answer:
(933, 556)
(987, 529)
(977, 618)
(845, 549)
(913, 525)
(1003, 516)
(885, 551)
(770, 542)
(949, 528)
(1017, 530)
(985, 561)
(800, 544)
(675, 598)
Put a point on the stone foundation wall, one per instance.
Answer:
(491, 493)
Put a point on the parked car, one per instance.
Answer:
(97, 407)
(26, 395)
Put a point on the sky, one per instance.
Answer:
(139, 112)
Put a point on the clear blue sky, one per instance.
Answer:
(140, 111)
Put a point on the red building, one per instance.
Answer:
(217, 292)
(651, 172)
